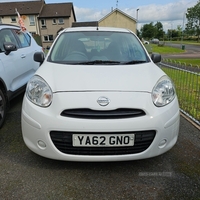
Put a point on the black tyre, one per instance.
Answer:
(3, 108)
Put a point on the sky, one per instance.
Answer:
(171, 13)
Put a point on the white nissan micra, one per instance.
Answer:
(99, 96)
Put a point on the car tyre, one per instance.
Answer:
(3, 107)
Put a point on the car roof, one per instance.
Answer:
(3, 26)
(75, 29)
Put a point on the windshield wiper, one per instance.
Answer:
(103, 62)
(94, 62)
(134, 62)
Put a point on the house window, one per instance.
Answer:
(13, 19)
(32, 20)
(48, 38)
(54, 21)
(43, 23)
(60, 21)
(32, 33)
(0, 20)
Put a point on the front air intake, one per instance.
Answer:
(85, 113)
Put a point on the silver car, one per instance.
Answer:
(16, 64)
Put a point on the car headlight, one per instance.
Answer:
(39, 92)
(164, 92)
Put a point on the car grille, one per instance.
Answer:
(63, 142)
(85, 113)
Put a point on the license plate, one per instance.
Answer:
(91, 140)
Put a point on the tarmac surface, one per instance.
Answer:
(24, 175)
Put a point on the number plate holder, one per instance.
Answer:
(103, 140)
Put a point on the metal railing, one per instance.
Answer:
(187, 84)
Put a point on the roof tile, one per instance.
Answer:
(56, 10)
(24, 8)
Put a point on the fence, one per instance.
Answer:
(187, 83)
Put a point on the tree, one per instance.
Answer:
(193, 18)
(179, 30)
(159, 30)
(173, 34)
(148, 31)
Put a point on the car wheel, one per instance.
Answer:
(3, 108)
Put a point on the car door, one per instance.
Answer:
(26, 51)
(18, 65)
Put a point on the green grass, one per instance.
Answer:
(166, 49)
(171, 50)
(187, 84)
(188, 90)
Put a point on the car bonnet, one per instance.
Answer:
(62, 77)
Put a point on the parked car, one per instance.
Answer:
(99, 96)
(145, 42)
(16, 64)
(155, 41)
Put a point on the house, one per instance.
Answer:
(29, 12)
(119, 19)
(53, 18)
(45, 20)
(116, 18)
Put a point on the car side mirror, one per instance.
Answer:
(9, 46)
(156, 57)
(39, 57)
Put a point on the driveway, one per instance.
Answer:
(25, 175)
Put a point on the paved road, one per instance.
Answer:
(191, 51)
(25, 175)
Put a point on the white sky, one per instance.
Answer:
(170, 13)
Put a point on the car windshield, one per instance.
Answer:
(98, 47)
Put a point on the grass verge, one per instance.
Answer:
(187, 89)
(171, 50)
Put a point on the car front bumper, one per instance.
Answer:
(38, 124)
